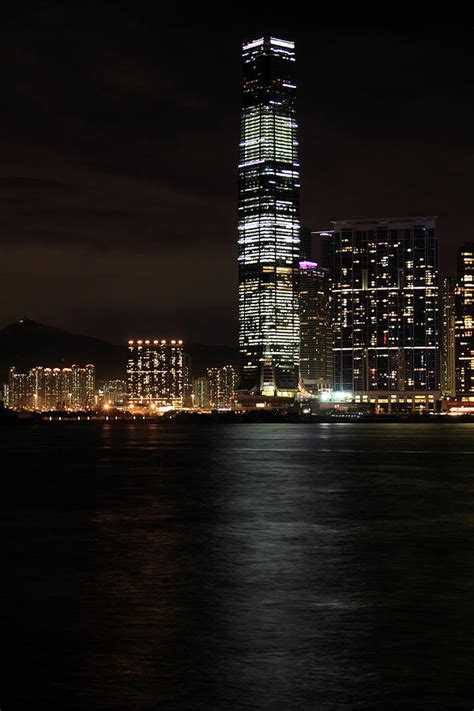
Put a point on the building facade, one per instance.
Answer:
(155, 373)
(316, 367)
(448, 337)
(46, 389)
(187, 381)
(19, 390)
(221, 386)
(268, 225)
(385, 304)
(464, 319)
(114, 393)
(200, 393)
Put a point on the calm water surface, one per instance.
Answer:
(268, 566)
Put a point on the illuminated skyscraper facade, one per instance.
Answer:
(464, 319)
(155, 373)
(269, 226)
(316, 370)
(385, 305)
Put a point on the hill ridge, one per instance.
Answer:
(27, 343)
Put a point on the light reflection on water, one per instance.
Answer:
(266, 566)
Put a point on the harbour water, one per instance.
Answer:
(251, 566)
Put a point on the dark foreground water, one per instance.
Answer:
(268, 566)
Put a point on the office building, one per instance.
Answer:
(325, 248)
(316, 369)
(269, 225)
(155, 373)
(448, 340)
(464, 320)
(385, 305)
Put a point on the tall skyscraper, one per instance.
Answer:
(269, 225)
(316, 369)
(155, 373)
(448, 339)
(385, 305)
(19, 390)
(464, 319)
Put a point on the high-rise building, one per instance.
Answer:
(228, 385)
(19, 391)
(200, 392)
(316, 369)
(187, 381)
(42, 389)
(464, 319)
(155, 373)
(221, 386)
(385, 305)
(448, 340)
(213, 387)
(82, 387)
(269, 225)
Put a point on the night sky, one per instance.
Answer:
(119, 135)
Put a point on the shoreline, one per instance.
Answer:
(229, 418)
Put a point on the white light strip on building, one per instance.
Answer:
(282, 43)
(251, 45)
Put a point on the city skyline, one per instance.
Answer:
(236, 361)
(115, 228)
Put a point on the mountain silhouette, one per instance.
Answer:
(26, 344)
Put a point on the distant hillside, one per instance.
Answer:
(26, 343)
